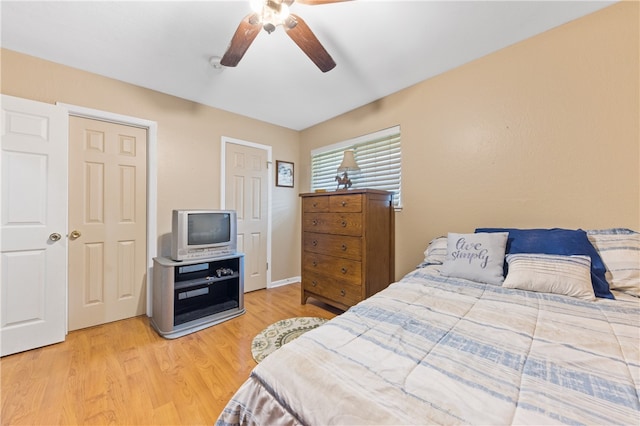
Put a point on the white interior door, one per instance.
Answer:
(107, 222)
(246, 191)
(34, 222)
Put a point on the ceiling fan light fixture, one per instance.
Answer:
(270, 13)
(267, 15)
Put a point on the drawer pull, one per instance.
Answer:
(344, 247)
(314, 283)
(343, 293)
(314, 243)
(343, 270)
(315, 205)
(344, 204)
(314, 263)
(344, 224)
(314, 222)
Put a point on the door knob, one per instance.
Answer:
(74, 234)
(55, 236)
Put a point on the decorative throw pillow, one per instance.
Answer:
(436, 251)
(557, 241)
(476, 257)
(550, 273)
(619, 249)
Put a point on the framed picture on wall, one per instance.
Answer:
(284, 173)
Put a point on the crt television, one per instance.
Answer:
(201, 234)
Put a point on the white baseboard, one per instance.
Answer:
(286, 281)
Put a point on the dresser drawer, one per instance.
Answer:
(315, 204)
(345, 203)
(337, 245)
(331, 288)
(333, 223)
(350, 271)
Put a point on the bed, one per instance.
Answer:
(437, 348)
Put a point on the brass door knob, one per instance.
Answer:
(75, 234)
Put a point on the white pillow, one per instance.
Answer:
(436, 251)
(477, 257)
(619, 249)
(551, 273)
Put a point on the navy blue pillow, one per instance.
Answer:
(557, 241)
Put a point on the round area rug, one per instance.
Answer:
(281, 332)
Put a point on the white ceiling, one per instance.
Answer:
(380, 47)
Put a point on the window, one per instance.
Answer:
(378, 156)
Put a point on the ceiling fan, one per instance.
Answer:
(268, 14)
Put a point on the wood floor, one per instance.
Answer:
(125, 373)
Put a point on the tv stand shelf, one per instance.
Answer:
(205, 281)
(194, 294)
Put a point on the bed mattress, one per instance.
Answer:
(439, 350)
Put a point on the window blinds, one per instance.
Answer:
(378, 155)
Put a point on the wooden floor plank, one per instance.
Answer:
(125, 373)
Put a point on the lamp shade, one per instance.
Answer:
(348, 162)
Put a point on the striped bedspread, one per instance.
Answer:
(437, 350)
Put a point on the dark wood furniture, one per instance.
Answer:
(347, 245)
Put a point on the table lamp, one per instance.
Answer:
(348, 165)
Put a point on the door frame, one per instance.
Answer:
(223, 184)
(152, 178)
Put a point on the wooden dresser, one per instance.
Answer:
(347, 245)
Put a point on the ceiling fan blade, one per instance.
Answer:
(302, 35)
(314, 2)
(243, 37)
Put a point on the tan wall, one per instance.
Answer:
(189, 136)
(544, 133)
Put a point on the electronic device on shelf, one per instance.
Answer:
(224, 272)
(203, 234)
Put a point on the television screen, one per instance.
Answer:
(208, 228)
